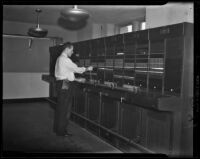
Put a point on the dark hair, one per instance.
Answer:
(67, 45)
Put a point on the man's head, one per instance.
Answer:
(68, 49)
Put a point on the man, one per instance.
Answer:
(64, 73)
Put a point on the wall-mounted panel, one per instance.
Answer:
(26, 55)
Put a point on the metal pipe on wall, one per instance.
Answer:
(56, 40)
(24, 36)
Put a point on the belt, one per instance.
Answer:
(63, 80)
(64, 83)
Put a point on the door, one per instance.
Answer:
(156, 131)
(130, 125)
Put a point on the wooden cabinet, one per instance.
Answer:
(158, 62)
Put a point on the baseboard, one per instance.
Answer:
(24, 100)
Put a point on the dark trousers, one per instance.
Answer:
(63, 107)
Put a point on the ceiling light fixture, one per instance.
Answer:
(75, 14)
(37, 32)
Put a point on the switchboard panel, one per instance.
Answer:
(140, 88)
(149, 60)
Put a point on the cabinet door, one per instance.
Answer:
(130, 125)
(109, 113)
(156, 131)
(173, 65)
(109, 119)
(93, 110)
(93, 106)
(80, 101)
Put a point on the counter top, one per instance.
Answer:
(143, 99)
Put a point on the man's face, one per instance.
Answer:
(69, 51)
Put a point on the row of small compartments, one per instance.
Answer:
(119, 62)
(169, 31)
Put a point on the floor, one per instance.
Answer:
(27, 127)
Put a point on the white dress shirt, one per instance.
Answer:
(65, 68)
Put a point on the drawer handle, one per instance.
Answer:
(122, 99)
(171, 90)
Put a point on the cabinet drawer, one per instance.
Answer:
(166, 32)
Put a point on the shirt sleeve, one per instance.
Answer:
(74, 68)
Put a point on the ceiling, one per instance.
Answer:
(114, 14)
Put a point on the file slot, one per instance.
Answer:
(128, 65)
(101, 64)
(82, 62)
(87, 62)
(118, 63)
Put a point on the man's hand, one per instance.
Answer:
(80, 80)
(90, 68)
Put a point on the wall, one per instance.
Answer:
(86, 32)
(22, 28)
(23, 84)
(111, 29)
(170, 13)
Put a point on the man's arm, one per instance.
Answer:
(77, 69)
